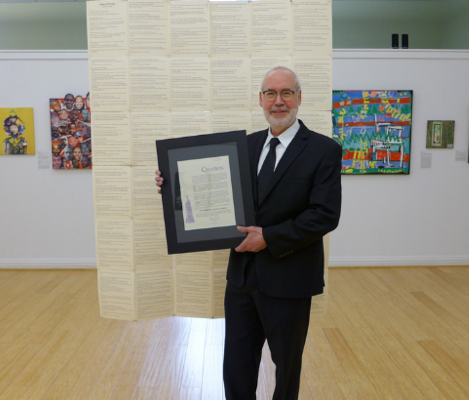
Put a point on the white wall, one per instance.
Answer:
(422, 218)
(46, 216)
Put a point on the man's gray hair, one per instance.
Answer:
(281, 67)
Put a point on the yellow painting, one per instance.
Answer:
(17, 136)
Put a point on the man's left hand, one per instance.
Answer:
(254, 240)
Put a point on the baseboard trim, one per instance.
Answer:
(48, 263)
(90, 263)
(411, 261)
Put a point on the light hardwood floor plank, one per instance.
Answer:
(389, 334)
(130, 375)
(351, 365)
(212, 382)
(337, 378)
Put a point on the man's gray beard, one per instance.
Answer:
(282, 123)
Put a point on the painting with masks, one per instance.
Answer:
(18, 131)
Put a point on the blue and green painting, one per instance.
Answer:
(373, 127)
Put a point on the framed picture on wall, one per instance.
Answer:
(374, 129)
(70, 127)
(440, 134)
(18, 131)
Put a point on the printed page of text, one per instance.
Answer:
(149, 83)
(190, 123)
(228, 121)
(193, 294)
(146, 202)
(109, 81)
(271, 28)
(200, 260)
(316, 82)
(190, 84)
(230, 28)
(112, 194)
(149, 27)
(150, 251)
(231, 84)
(107, 28)
(116, 294)
(190, 28)
(114, 244)
(111, 138)
(154, 294)
(207, 193)
(146, 128)
(312, 38)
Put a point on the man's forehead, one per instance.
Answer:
(279, 76)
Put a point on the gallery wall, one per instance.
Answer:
(47, 219)
(356, 24)
(421, 218)
(46, 216)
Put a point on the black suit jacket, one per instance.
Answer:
(302, 205)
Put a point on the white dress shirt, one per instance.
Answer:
(285, 139)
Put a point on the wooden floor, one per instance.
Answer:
(391, 333)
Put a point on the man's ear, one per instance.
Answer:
(260, 99)
(299, 97)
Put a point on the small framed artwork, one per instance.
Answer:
(440, 134)
(18, 131)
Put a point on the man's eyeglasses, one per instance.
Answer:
(271, 95)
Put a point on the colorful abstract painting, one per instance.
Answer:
(18, 131)
(70, 124)
(373, 127)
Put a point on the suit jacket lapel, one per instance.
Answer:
(293, 150)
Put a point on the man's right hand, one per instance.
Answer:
(159, 180)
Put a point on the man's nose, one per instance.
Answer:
(279, 100)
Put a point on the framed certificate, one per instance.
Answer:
(207, 191)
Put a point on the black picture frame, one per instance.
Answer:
(232, 144)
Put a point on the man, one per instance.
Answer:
(56, 149)
(56, 162)
(68, 153)
(85, 149)
(84, 129)
(74, 116)
(63, 114)
(85, 162)
(54, 132)
(55, 105)
(275, 271)
(54, 117)
(76, 158)
(85, 115)
(69, 101)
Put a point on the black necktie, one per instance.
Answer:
(267, 170)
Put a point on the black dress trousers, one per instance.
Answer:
(251, 318)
